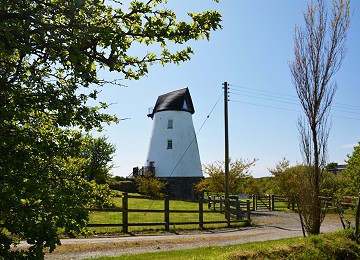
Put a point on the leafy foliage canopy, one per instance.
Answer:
(51, 53)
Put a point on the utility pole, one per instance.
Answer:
(227, 204)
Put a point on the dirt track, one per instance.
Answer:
(267, 225)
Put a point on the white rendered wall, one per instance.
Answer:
(168, 162)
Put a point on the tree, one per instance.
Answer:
(239, 171)
(330, 183)
(98, 154)
(150, 185)
(50, 55)
(288, 180)
(284, 180)
(319, 51)
(292, 182)
(252, 186)
(353, 172)
(255, 186)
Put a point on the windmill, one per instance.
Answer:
(173, 153)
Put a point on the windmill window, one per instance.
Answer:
(169, 144)
(170, 124)
(185, 106)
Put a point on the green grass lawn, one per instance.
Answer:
(337, 245)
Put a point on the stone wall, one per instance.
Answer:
(181, 188)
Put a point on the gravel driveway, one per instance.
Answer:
(267, 225)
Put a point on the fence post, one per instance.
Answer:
(269, 199)
(273, 202)
(254, 202)
(201, 213)
(238, 209)
(167, 214)
(125, 212)
(248, 210)
(227, 211)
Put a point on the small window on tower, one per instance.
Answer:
(169, 144)
(185, 106)
(170, 124)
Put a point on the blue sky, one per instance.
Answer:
(251, 53)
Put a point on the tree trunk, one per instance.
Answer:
(316, 205)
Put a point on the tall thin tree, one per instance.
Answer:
(319, 52)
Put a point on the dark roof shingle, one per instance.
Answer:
(178, 100)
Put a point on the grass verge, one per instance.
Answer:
(337, 245)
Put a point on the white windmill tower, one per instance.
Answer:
(173, 152)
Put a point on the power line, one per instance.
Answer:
(293, 110)
(346, 106)
(238, 88)
(274, 95)
(196, 134)
(279, 98)
(260, 90)
(343, 117)
(344, 111)
(285, 102)
(280, 101)
(253, 104)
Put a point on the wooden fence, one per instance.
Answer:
(276, 202)
(239, 212)
(237, 207)
(272, 202)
